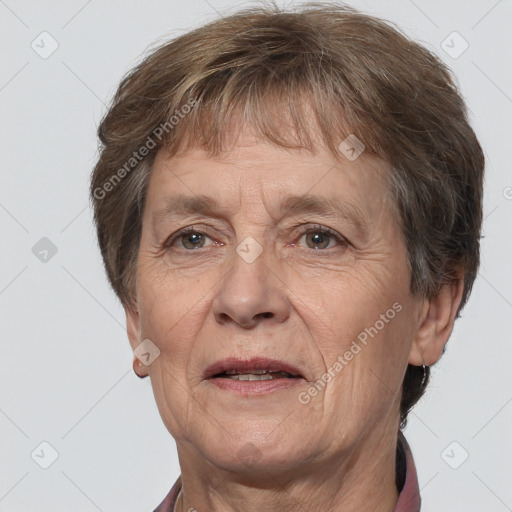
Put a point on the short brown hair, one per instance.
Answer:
(263, 66)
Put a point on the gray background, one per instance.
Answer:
(66, 375)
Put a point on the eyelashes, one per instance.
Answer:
(187, 232)
(324, 232)
(190, 243)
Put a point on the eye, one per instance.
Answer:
(188, 239)
(317, 238)
(320, 237)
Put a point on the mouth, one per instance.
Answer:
(256, 368)
(253, 376)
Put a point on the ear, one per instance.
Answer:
(436, 323)
(133, 325)
(134, 336)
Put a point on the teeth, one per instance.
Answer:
(254, 372)
(252, 376)
(260, 375)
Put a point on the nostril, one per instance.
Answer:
(244, 321)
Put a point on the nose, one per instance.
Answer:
(251, 293)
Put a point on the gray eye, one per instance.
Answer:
(192, 240)
(318, 239)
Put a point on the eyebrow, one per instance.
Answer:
(291, 205)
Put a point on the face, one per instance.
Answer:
(267, 259)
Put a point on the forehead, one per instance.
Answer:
(254, 161)
(255, 172)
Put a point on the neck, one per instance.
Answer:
(363, 479)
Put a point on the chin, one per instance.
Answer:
(252, 451)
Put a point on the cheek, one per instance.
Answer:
(169, 302)
(170, 397)
(368, 356)
(355, 307)
(169, 318)
(166, 315)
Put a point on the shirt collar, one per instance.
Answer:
(409, 499)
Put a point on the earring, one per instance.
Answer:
(424, 376)
(136, 365)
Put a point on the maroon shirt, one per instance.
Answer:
(408, 501)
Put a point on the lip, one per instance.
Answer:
(254, 387)
(254, 363)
